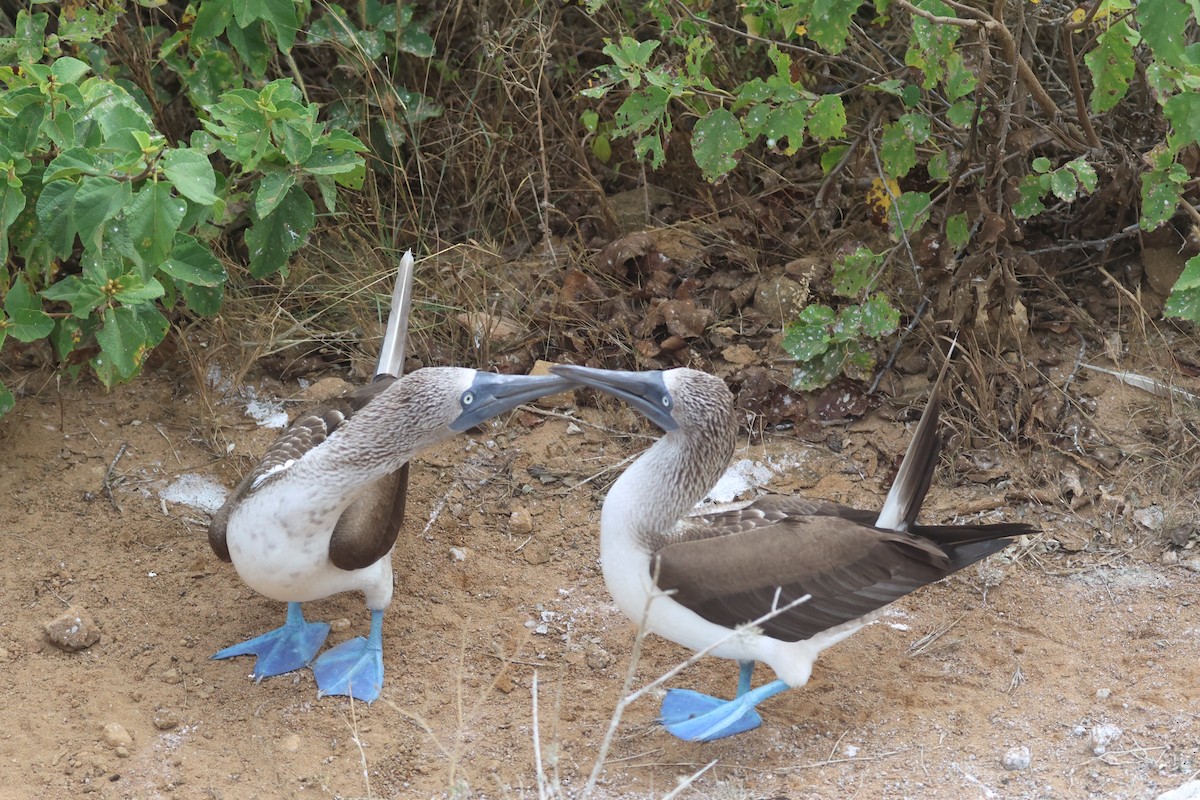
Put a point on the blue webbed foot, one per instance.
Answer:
(354, 667)
(697, 717)
(284, 649)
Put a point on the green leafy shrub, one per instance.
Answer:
(975, 139)
(112, 213)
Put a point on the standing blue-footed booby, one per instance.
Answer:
(694, 576)
(320, 513)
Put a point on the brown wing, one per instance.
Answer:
(732, 578)
(368, 528)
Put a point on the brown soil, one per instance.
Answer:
(1038, 648)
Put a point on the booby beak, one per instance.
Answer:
(491, 394)
(645, 391)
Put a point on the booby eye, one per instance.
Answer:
(666, 401)
(468, 398)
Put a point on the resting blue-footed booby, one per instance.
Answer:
(694, 576)
(320, 512)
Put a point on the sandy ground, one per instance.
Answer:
(1087, 653)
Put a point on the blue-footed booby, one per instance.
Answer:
(697, 576)
(321, 511)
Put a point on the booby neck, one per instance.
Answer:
(667, 481)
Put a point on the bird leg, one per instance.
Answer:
(284, 649)
(354, 667)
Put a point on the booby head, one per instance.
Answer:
(675, 399)
(459, 399)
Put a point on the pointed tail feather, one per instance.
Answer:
(916, 468)
(395, 337)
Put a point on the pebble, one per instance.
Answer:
(1016, 758)
(116, 736)
(1103, 694)
(573, 429)
(171, 676)
(73, 630)
(1103, 735)
(339, 624)
(1188, 791)
(458, 554)
(165, 719)
(520, 522)
(290, 744)
(780, 298)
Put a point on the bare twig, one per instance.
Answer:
(106, 484)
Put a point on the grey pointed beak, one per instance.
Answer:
(645, 391)
(491, 394)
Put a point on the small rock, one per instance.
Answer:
(458, 554)
(290, 744)
(573, 429)
(115, 736)
(1103, 694)
(505, 684)
(780, 299)
(1103, 735)
(339, 624)
(739, 354)
(3, 655)
(520, 522)
(171, 676)
(1192, 563)
(598, 657)
(165, 719)
(1188, 791)
(1016, 758)
(122, 752)
(73, 630)
(536, 552)
(1150, 517)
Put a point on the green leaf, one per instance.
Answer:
(1030, 203)
(715, 139)
(413, 39)
(133, 290)
(69, 70)
(151, 219)
(809, 335)
(960, 81)
(910, 212)
(832, 157)
(957, 233)
(98, 200)
(27, 321)
(85, 296)
(1084, 172)
(819, 371)
(1064, 185)
(938, 166)
(56, 218)
(193, 263)
(251, 47)
(1041, 164)
(122, 340)
(192, 173)
(1183, 110)
(271, 191)
(12, 203)
(854, 272)
(1189, 279)
(827, 118)
(1162, 189)
(212, 17)
(900, 140)
(272, 239)
(829, 23)
(879, 318)
(1162, 24)
(1112, 66)
(961, 114)
(70, 163)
